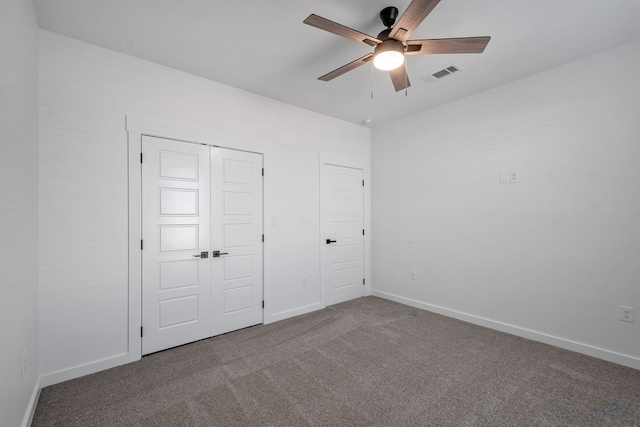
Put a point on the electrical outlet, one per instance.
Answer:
(301, 220)
(274, 220)
(303, 282)
(24, 361)
(513, 177)
(625, 314)
(412, 274)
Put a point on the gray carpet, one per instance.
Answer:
(367, 362)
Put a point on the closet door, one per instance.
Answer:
(176, 292)
(236, 212)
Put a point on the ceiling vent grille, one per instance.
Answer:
(431, 78)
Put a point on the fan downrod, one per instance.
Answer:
(388, 16)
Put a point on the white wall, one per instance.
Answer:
(18, 210)
(551, 257)
(85, 93)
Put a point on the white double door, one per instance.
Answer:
(201, 242)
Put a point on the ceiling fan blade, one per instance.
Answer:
(400, 78)
(457, 45)
(411, 18)
(348, 67)
(341, 30)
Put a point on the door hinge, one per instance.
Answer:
(262, 304)
(140, 157)
(363, 232)
(141, 245)
(263, 238)
(141, 333)
(363, 281)
(363, 182)
(262, 171)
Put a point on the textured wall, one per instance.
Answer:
(551, 257)
(86, 91)
(18, 209)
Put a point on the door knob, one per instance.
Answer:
(202, 255)
(216, 254)
(329, 241)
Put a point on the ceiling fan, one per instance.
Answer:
(392, 45)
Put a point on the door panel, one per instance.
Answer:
(178, 311)
(178, 202)
(237, 231)
(176, 226)
(178, 274)
(342, 208)
(178, 238)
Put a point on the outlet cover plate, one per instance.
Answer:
(625, 314)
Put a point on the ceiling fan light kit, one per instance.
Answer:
(392, 45)
(388, 55)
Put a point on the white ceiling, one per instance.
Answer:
(263, 47)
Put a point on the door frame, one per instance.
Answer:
(366, 198)
(135, 129)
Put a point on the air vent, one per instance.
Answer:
(440, 74)
(430, 78)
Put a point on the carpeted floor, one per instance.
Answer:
(367, 362)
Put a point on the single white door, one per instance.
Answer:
(237, 234)
(176, 295)
(342, 210)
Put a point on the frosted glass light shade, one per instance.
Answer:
(389, 60)
(388, 55)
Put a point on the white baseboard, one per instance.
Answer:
(121, 359)
(33, 403)
(275, 317)
(600, 353)
(86, 369)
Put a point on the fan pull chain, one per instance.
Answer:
(371, 79)
(406, 82)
